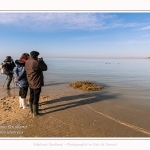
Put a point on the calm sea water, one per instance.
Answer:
(128, 75)
(123, 73)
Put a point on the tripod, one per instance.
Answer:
(5, 81)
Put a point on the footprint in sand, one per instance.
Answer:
(4, 103)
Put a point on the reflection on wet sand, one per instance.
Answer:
(8, 93)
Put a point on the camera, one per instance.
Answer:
(39, 59)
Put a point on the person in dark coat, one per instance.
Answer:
(34, 69)
(21, 79)
(10, 66)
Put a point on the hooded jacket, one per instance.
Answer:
(20, 74)
(34, 70)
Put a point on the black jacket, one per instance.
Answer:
(10, 64)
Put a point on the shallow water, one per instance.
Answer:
(117, 73)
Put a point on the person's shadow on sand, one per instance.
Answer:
(74, 101)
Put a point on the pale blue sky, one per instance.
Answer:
(75, 34)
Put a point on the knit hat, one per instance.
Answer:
(34, 54)
(8, 57)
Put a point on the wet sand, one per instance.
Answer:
(68, 112)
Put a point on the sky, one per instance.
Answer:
(76, 34)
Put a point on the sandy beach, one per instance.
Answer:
(68, 112)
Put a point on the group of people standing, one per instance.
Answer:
(27, 72)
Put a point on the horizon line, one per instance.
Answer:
(91, 57)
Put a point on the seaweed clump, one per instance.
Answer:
(85, 85)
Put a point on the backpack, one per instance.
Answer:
(4, 69)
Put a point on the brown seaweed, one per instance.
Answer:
(85, 85)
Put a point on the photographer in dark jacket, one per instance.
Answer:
(10, 66)
(34, 67)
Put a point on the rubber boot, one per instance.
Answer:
(31, 107)
(20, 102)
(35, 110)
(24, 104)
